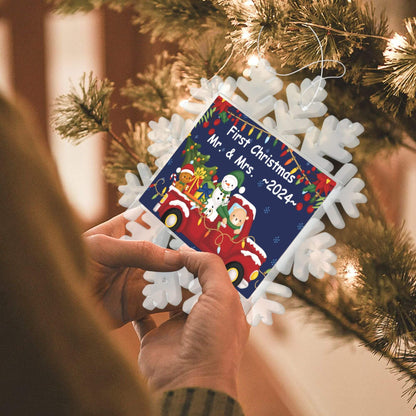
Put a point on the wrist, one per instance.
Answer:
(196, 399)
(225, 382)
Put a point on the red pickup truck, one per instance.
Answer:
(241, 255)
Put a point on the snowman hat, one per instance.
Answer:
(239, 175)
(188, 168)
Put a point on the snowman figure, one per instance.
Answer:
(221, 194)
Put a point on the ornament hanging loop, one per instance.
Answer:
(321, 61)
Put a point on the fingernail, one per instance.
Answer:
(185, 247)
(172, 258)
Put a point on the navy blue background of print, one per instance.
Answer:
(279, 219)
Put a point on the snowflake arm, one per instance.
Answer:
(331, 141)
(195, 288)
(313, 257)
(294, 118)
(306, 101)
(207, 92)
(263, 309)
(260, 90)
(135, 186)
(167, 136)
(347, 195)
(164, 289)
(312, 227)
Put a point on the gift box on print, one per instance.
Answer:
(203, 178)
(249, 230)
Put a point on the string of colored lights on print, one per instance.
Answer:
(154, 185)
(317, 194)
(261, 131)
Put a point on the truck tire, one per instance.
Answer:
(172, 218)
(235, 271)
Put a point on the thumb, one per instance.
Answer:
(210, 270)
(144, 326)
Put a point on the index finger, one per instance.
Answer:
(114, 227)
(145, 255)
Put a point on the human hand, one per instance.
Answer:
(205, 348)
(117, 268)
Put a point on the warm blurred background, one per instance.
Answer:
(291, 368)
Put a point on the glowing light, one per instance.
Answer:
(248, 3)
(245, 33)
(398, 41)
(253, 60)
(350, 273)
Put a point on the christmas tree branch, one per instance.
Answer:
(118, 162)
(344, 326)
(330, 30)
(85, 111)
(107, 129)
(408, 147)
(124, 145)
(158, 89)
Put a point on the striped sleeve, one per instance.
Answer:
(198, 402)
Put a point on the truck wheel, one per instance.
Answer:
(172, 218)
(236, 272)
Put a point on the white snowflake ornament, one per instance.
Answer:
(270, 130)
